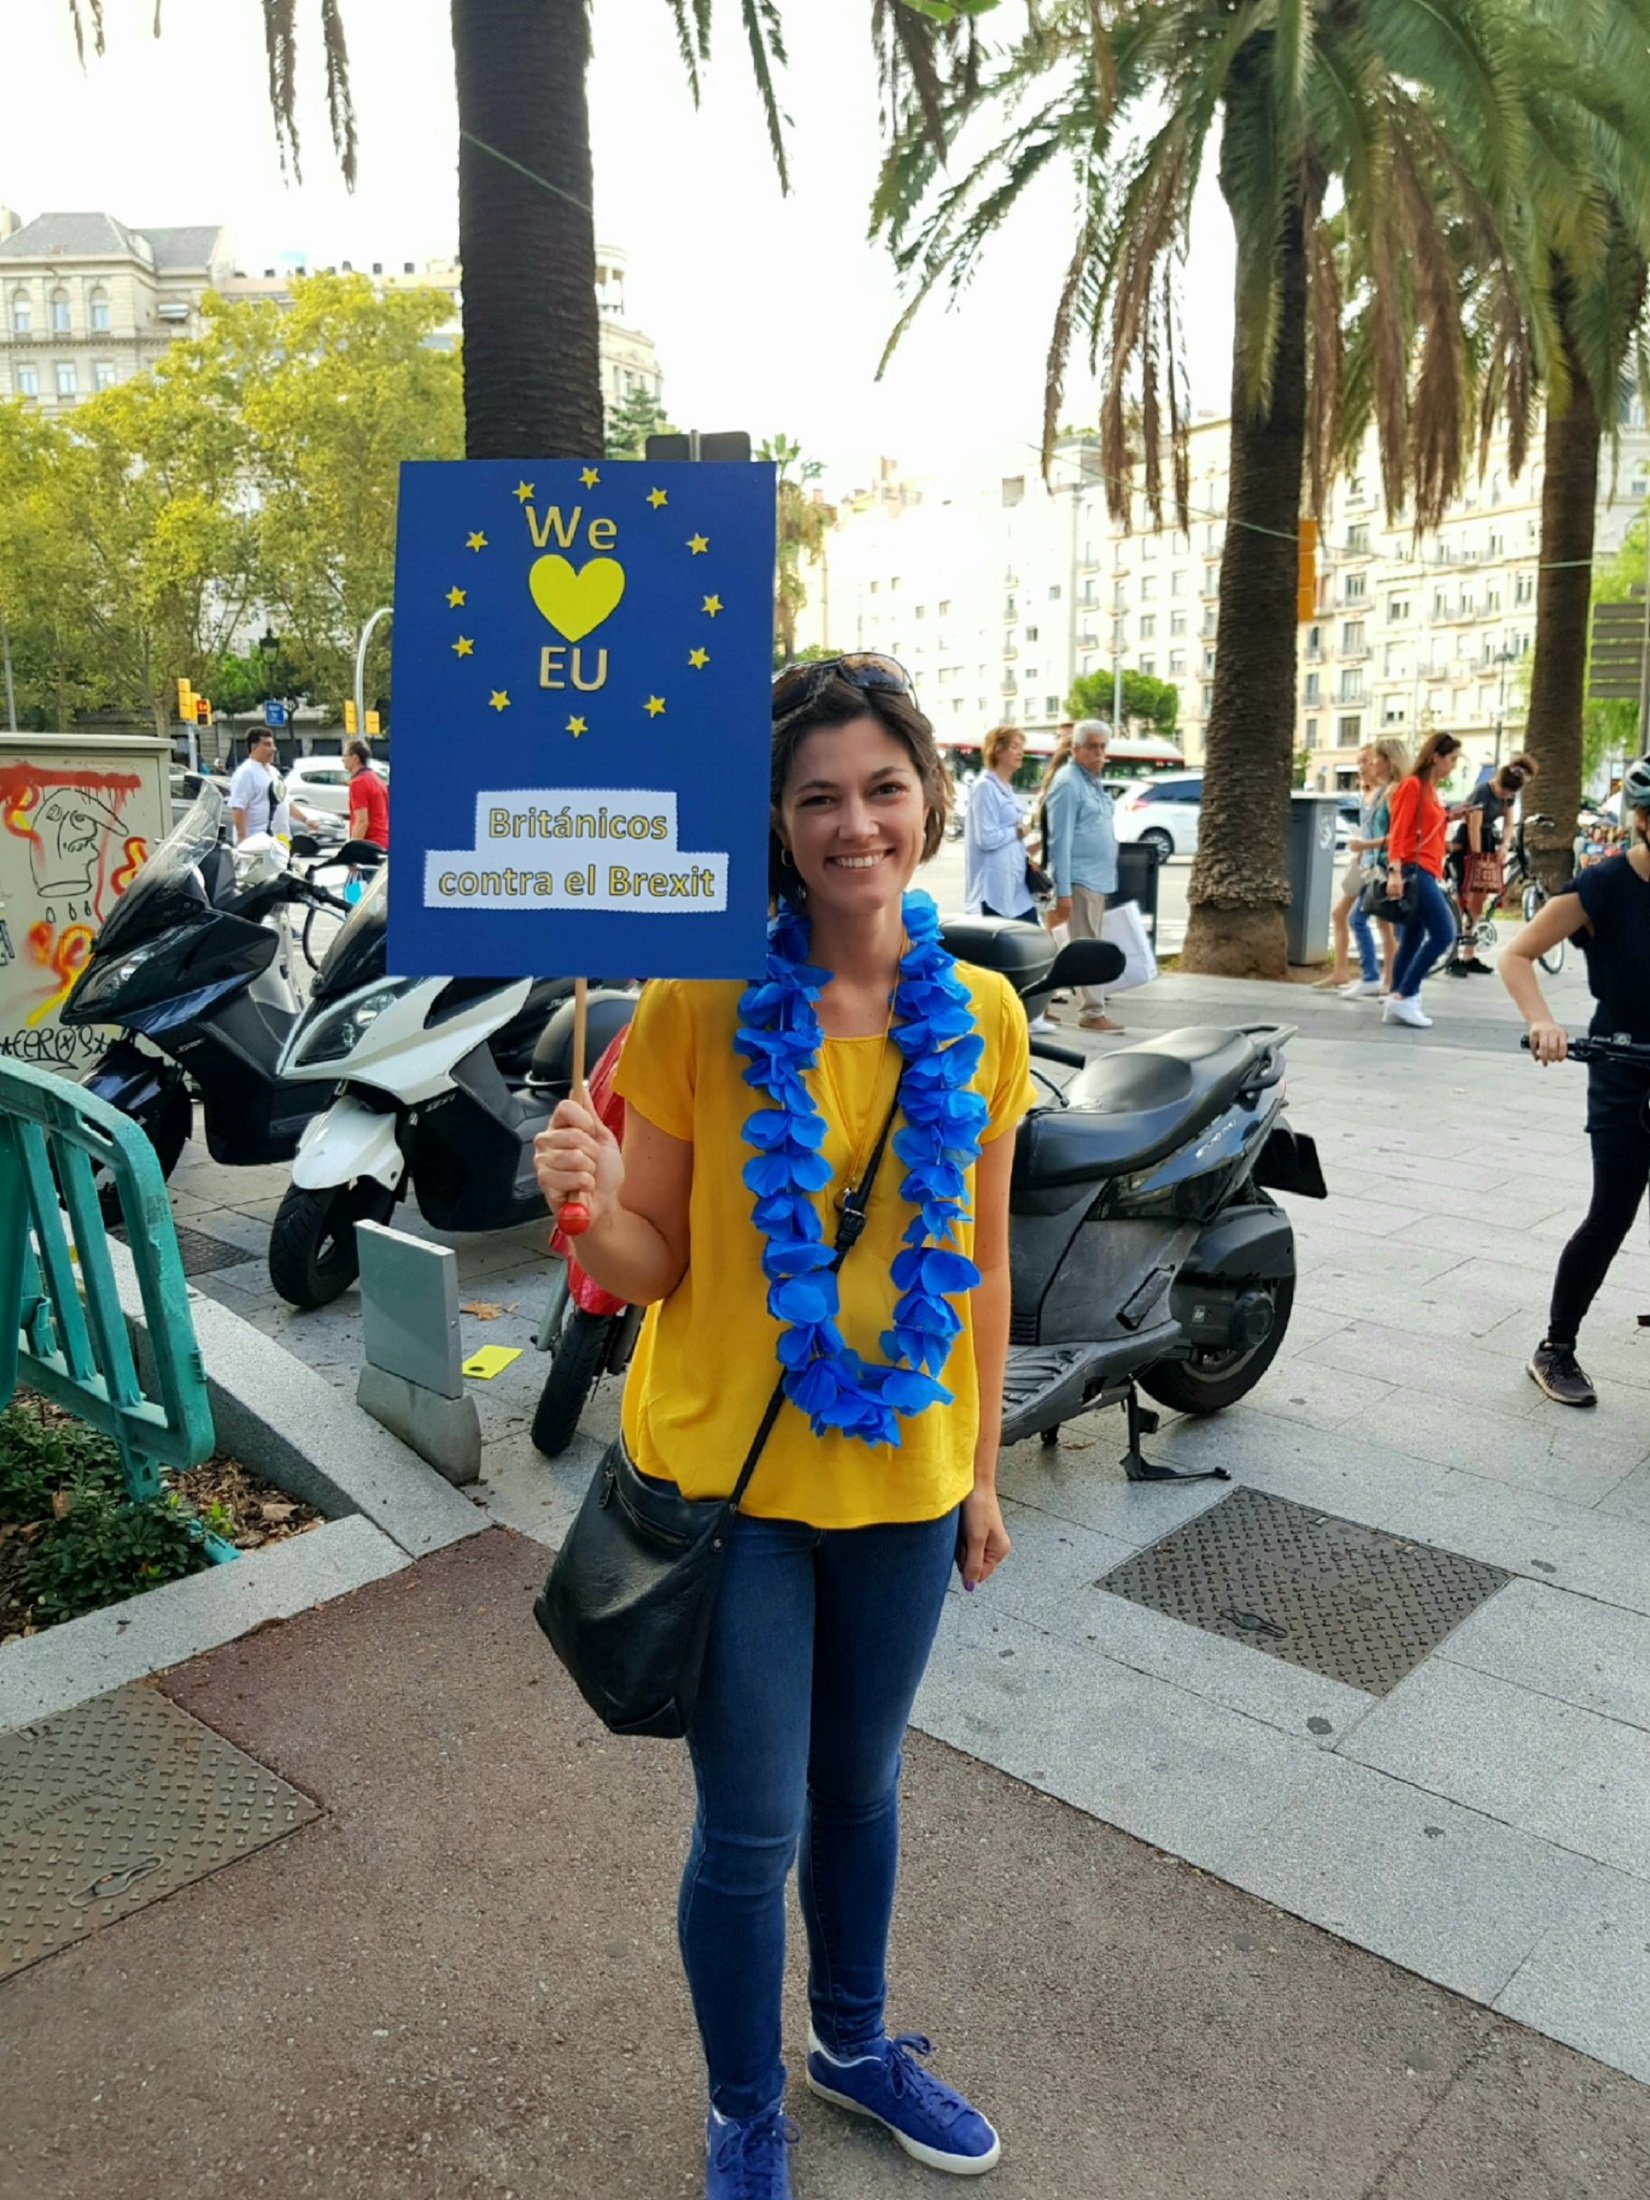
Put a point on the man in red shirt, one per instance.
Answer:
(369, 798)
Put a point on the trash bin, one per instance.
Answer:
(1137, 867)
(1313, 869)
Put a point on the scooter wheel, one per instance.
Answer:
(313, 1257)
(166, 1123)
(1210, 1382)
(575, 1368)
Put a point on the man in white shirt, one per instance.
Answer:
(257, 793)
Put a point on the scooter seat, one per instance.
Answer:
(1132, 1108)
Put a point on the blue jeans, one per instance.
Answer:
(1429, 931)
(1363, 932)
(819, 1641)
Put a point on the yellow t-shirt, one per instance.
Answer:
(706, 1361)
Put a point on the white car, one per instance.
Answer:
(1162, 812)
(321, 783)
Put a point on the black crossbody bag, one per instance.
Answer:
(629, 1599)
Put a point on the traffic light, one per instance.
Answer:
(203, 710)
(186, 702)
(1306, 587)
(350, 725)
(372, 723)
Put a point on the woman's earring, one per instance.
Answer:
(786, 858)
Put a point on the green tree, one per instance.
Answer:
(805, 519)
(1157, 702)
(42, 574)
(1375, 119)
(1610, 728)
(636, 416)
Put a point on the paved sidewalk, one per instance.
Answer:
(459, 1978)
(1486, 1822)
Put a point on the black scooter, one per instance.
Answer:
(189, 966)
(1146, 1252)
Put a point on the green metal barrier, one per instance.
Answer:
(62, 1330)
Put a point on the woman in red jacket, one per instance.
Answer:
(1415, 864)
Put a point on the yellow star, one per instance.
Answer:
(590, 477)
(712, 605)
(657, 498)
(455, 596)
(655, 706)
(576, 726)
(698, 659)
(464, 647)
(501, 701)
(524, 490)
(476, 542)
(698, 544)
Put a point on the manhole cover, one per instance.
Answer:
(199, 1251)
(1343, 1600)
(115, 1803)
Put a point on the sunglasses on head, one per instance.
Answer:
(797, 685)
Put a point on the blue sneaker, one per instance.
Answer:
(748, 2158)
(891, 2087)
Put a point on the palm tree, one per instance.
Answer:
(1325, 120)
(527, 243)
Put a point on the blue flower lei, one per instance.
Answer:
(779, 1034)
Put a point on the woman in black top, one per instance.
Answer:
(1608, 909)
(1480, 833)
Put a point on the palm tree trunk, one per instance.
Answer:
(526, 234)
(1558, 680)
(1240, 880)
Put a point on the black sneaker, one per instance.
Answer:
(1556, 1370)
(1456, 968)
(1476, 968)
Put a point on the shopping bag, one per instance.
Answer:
(1126, 929)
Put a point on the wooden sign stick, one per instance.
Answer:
(574, 1218)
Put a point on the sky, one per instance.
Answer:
(769, 312)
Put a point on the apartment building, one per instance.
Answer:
(997, 590)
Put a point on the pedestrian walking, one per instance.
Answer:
(257, 792)
(879, 1472)
(1346, 918)
(1388, 764)
(1059, 758)
(1415, 865)
(1607, 909)
(1480, 833)
(369, 797)
(1082, 852)
(994, 848)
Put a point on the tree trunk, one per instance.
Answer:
(1240, 880)
(1558, 679)
(527, 241)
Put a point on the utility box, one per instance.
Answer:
(79, 814)
(1313, 870)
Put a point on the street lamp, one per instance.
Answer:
(269, 645)
(361, 666)
(1504, 657)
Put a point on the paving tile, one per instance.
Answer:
(1052, 1559)
(1600, 1805)
(1442, 1890)
(1503, 1447)
(1338, 1469)
(1528, 1532)
(1081, 1479)
(1587, 1980)
(1485, 1743)
(1452, 1368)
(1302, 1390)
(1571, 1647)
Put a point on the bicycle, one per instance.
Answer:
(1518, 877)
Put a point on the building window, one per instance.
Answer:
(60, 313)
(1352, 685)
(1524, 588)
(1357, 587)
(100, 311)
(1031, 633)
(1440, 603)
(1498, 544)
(1314, 642)
(1177, 581)
(66, 384)
(1177, 664)
(945, 606)
(1177, 622)
(1208, 660)
(1148, 626)
(103, 375)
(1208, 700)
(22, 317)
(1314, 687)
(28, 381)
(1349, 731)
(1054, 593)
(1051, 706)
(1148, 666)
(1311, 733)
(1357, 537)
(1148, 546)
(1352, 637)
(1211, 580)
(1393, 711)
(1148, 587)
(921, 611)
(1397, 610)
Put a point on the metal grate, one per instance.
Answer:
(200, 1252)
(114, 1804)
(1349, 1602)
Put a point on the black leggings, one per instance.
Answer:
(1621, 1169)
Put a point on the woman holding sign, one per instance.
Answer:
(862, 1041)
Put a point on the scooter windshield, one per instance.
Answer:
(170, 888)
(357, 953)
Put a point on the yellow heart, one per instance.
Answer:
(576, 603)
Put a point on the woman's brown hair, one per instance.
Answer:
(996, 741)
(1436, 749)
(837, 702)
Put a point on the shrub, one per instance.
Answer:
(104, 1547)
(38, 1457)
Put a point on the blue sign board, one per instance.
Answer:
(275, 715)
(583, 654)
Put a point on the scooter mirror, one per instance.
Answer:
(305, 845)
(366, 855)
(1086, 962)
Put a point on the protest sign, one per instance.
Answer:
(583, 654)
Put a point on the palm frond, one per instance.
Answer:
(340, 103)
(692, 20)
(765, 36)
(83, 13)
(281, 50)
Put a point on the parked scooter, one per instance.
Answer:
(1145, 1249)
(441, 1083)
(193, 965)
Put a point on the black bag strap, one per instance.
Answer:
(850, 1228)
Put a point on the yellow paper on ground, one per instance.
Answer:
(491, 1360)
